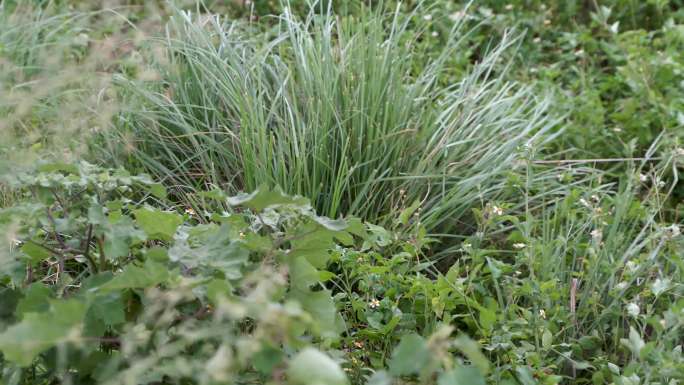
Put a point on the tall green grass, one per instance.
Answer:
(332, 109)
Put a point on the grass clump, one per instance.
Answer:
(334, 110)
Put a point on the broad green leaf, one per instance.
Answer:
(264, 197)
(158, 224)
(321, 306)
(302, 274)
(35, 252)
(37, 332)
(487, 318)
(267, 358)
(36, 300)
(410, 356)
(96, 215)
(472, 351)
(63, 167)
(138, 277)
(158, 190)
(314, 245)
(9, 298)
(380, 377)
(356, 227)
(120, 235)
(462, 375)
(218, 289)
(311, 367)
(331, 224)
(524, 375)
(109, 308)
(210, 247)
(106, 310)
(157, 254)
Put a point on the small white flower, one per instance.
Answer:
(597, 234)
(673, 230)
(374, 304)
(536, 40)
(542, 313)
(456, 15)
(633, 309)
(190, 211)
(496, 210)
(467, 246)
(584, 203)
(595, 198)
(643, 178)
(518, 246)
(427, 17)
(434, 34)
(579, 52)
(508, 7)
(617, 129)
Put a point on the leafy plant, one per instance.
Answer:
(103, 283)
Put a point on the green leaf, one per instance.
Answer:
(380, 377)
(487, 318)
(36, 300)
(106, 310)
(158, 190)
(35, 252)
(57, 166)
(264, 197)
(302, 274)
(138, 277)
(218, 289)
(9, 298)
(314, 245)
(321, 306)
(472, 351)
(120, 234)
(524, 375)
(310, 367)
(407, 212)
(210, 247)
(331, 224)
(547, 339)
(158, 224)
(461, 375)
(410, 356)
(267, 358)
(491, 264)
(37, 332)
